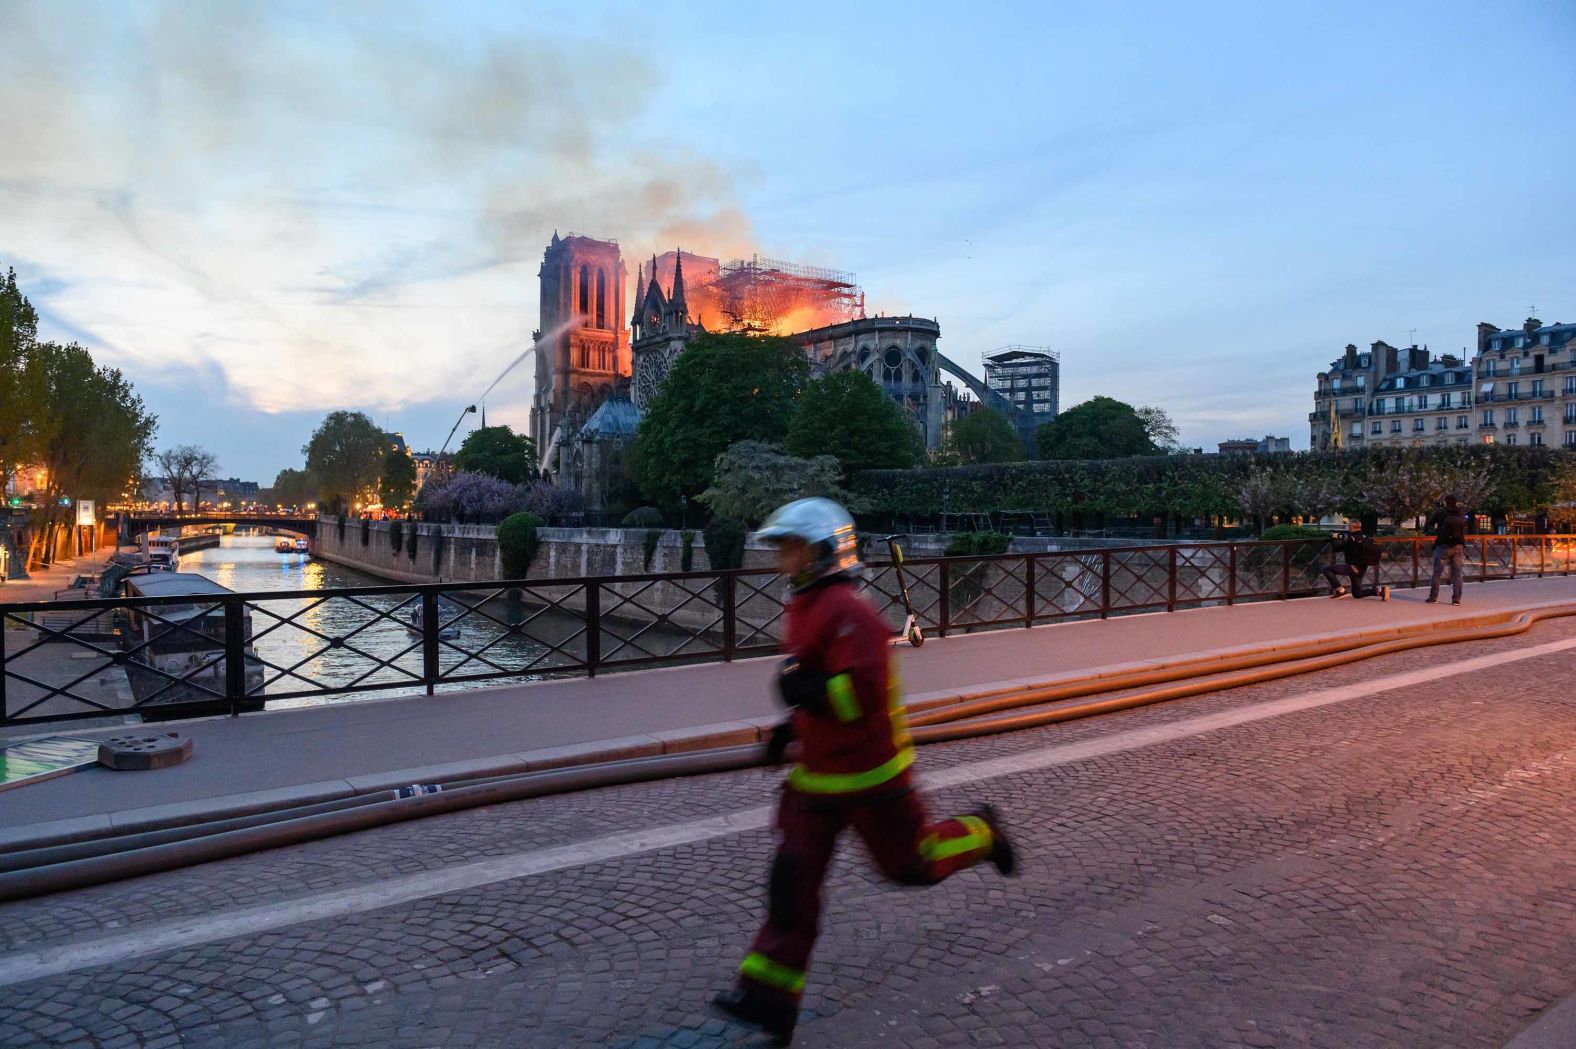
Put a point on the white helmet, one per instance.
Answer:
(826, 526)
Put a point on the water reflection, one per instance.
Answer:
(300, 649)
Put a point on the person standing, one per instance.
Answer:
(1359, 552)
(854, 756)
(1448, 526)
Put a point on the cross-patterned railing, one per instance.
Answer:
(174, 656)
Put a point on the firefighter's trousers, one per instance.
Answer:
(905, 845)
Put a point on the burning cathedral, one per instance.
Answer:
(594, 376)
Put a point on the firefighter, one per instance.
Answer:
(854, 755)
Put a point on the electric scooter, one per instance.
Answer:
(911, 628)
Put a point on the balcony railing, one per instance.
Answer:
(228, 653)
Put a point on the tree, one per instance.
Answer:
(398, 481)
(982, 436)
(498, 452)
(724, 388)
(753, 479)
(174, 464)
(204, 465)
(345, 456)
(1099, 428)
(470, 496)
(293, 488)
(847, 416)
(94, 434)
(21, 380)
(1162, 431)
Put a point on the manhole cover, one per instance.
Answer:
(147, 750)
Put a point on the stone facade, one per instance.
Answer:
(1519, 389)
(1526, 384)
(582, 346)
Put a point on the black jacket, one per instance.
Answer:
(1449, 528)
(1357, 549)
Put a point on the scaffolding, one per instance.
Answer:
(759, 294)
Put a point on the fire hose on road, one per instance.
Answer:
(38, 871)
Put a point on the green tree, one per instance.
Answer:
(21, 380)
(345, 456)
(498, 452)
(1160, 428)
(94, 433)
(982, 436)
(517, 543)
(293, 488)
(753, 479)
(398, 482)
(847, 416)
(1099, 428)
(724, 388)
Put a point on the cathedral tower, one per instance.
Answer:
(582, 346)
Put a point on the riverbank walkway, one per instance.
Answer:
(264, 760)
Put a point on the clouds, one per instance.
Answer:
(340, 209)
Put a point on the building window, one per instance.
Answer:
(1570, 438)
(1357, 404)
(1395, 425)
(1515, 362)
(1512, 390)
(1570, 385)
(1570, 413)
(1422, 402)
(1335, 383)
(585, 290)
(1488, 417)
(1510, 438)
(1417, 425)
(1537, 387)
(601, 298)
(1512, 415)
(1536, 437)
(1445, 399)
(1490, 368)
(1362, 381)
(1536, 415)
(1377, 428)
(1441, 423)
(1357, 429)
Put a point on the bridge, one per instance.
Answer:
(133, 523)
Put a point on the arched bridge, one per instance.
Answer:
(135, 522)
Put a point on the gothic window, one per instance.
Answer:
(892, 365)
(601, 298)
(585, 290)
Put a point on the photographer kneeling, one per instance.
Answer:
(1359, 552)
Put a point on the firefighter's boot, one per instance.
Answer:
(775, 1018)
(1002, 856)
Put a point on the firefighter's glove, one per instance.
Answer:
(801, 687)
(777, 743)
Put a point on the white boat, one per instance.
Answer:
(301, 546)
(164, 551)
(448, 624)
(284, 546)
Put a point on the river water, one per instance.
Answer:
(299, 655)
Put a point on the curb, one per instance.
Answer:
(742, 732)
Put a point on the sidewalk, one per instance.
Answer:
(41, 583)
(267, 759)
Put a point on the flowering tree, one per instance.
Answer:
(466, 496)
(547, 501)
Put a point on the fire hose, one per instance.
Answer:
(114, 856)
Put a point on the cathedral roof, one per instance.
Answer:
(617, 417)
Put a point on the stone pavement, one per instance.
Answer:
(1397, 868)
(345, 748)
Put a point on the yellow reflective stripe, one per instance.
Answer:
(840, 690)
(759, 967)
(932, 848)
(898, 714)
(801, 778)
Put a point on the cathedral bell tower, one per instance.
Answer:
(582, 346)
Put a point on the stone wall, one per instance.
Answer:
(469, 554)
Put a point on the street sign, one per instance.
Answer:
(86, 512)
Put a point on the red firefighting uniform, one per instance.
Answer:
(853, 771)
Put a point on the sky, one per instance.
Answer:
(265, 212)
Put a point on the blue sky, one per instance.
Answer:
(263, 213)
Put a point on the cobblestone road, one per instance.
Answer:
(1392, 870)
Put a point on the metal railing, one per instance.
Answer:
(227, 653)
